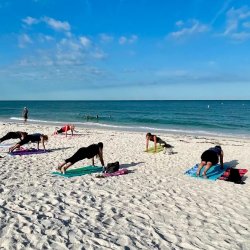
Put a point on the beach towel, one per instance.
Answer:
(79, 171)
(29, 152)
(159, 148)
(213, 173)
(231, 173)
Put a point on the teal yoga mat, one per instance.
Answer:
(79, 171)
(213, 173)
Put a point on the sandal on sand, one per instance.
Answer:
(100, 176)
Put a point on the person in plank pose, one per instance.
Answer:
(13, 135)
(156, 139)
(85, 152)
(65, 129)
(31, 138)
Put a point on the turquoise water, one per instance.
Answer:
(199, 117)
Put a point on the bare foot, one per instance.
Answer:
(63, 170)
(59, 168)
(198, 173)
(204, 176)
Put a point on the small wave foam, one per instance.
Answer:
(132, 128)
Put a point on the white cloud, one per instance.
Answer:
(221, 11)
(99, 54)
(30, 20)
(238, 20)
(24, 40)
(192, 27)
(246, 24)
(85, 42)
(44, 38)
(240, 36)
(106, 38)
(56, 24)
(128, 40)
(179, 23)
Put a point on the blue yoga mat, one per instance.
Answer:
(79, 171)
(213, 173)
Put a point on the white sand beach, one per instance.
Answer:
(155, 206)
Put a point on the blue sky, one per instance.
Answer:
(124, 49)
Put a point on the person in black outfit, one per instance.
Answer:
(31, 138)
(209, 158)
(13, 135)
(82, 153)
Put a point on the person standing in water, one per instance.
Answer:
(25, 114)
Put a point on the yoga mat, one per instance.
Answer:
(121, 171)
(6, 145)
(226, 174)
(29, 152)
(159, 148)
(213, 173)
(79, 171)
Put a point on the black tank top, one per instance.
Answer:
(92, 150)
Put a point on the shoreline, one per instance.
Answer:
(127, 128)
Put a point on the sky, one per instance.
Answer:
(124, 49)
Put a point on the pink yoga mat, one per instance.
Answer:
(122, 171)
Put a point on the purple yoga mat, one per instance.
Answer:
(29, 152)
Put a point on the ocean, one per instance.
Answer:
(226, 118)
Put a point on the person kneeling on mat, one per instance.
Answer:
(85, 152)
(155, 139)
(209, 158)
(31, 138)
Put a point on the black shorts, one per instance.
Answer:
(60, 131)
(211, 156)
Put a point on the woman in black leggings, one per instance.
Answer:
(13, 135)
(82, 153)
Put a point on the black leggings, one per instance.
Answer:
(10, 135)
(79, 155)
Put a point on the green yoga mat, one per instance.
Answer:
(79, 171)
(159, 148)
